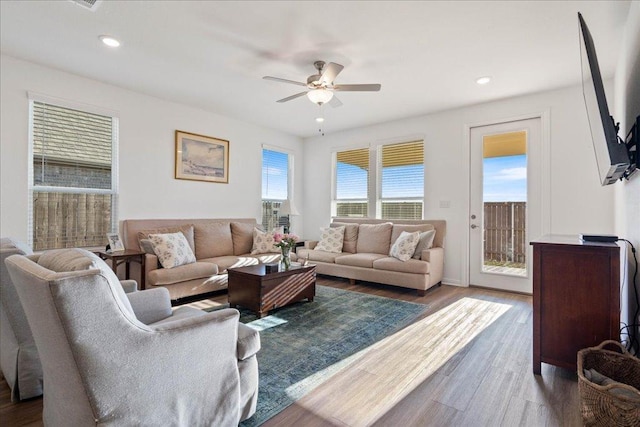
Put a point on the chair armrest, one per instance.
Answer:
(151, 306)
(189, 322)
(129, 286)
(248, 341)
(310, 244)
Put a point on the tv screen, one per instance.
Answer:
(611, 156)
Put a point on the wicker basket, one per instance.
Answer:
(600, 407)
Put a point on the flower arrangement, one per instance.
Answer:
(284, 241)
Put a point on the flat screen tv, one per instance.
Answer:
(612, 155)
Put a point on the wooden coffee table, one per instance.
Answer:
(252, 287)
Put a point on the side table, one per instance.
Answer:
(126, 256)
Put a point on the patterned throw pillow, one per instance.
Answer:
(263, 242)
(405, 246)
(172, 249)
(331, 239)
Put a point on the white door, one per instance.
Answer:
(505, 203)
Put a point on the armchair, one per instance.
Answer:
(103, 365)
(19, 358)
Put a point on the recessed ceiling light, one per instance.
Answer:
(109, 41)
(483, 80)
(319, 119)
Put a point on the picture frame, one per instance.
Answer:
(115, 242)
(201, 158)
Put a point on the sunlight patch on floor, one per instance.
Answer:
(386, 372)
(266, 323)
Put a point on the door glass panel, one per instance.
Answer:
(504, 186)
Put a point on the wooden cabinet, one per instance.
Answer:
(576, 298)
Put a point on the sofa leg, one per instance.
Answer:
(352, 282)
(421, 292)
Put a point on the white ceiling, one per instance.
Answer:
(213, 55)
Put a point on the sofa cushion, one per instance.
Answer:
(314, 255)
(409, 228)
(213, 239)
(75, 259)
(394, 264)
(425, 242)
(359, 260)
(350, 236)
(242, 236)
(231, 261)
(172, 249)
(183, 273)
(187, 230)
(263, 242)
(374, 238)
(331, 239)
(405, 245)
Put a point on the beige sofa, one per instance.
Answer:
(218, 244)
(365, 254)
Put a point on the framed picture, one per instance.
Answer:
(201, 158)
(115, 243)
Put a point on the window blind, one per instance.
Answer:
(352, 182)
(275, 184)
(402, 180)
(72, 193)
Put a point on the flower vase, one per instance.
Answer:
(286, 257)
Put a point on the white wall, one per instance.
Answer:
(578, 203)
(146, 150)
(627, 108)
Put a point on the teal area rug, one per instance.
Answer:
(306, 343)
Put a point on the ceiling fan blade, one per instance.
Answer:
(330, 72)
(289, 98)
(358, 88)
(335, 102)
(278, 79)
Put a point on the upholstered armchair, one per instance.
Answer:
(19, 358)
(103, 365)
(18, 353)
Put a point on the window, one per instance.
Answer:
(352, 182)
(73, 184)
(402, 181)
(399, 178)
(275, 187)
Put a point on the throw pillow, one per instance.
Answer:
(405, 246)
(425, 242)
(350, 236)
(187, 230)
(263, 242)
(331, 239)
(146, 246)
(172, 249)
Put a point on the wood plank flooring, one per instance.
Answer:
(466, 361)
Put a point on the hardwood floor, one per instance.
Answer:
(467, 361)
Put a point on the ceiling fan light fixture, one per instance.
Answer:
(320, 96)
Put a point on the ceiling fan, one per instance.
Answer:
(321, 86)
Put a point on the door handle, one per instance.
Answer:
(473, 226)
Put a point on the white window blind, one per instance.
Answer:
(73, 191)
(275, 184)
(402, 180)
(352, 182)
